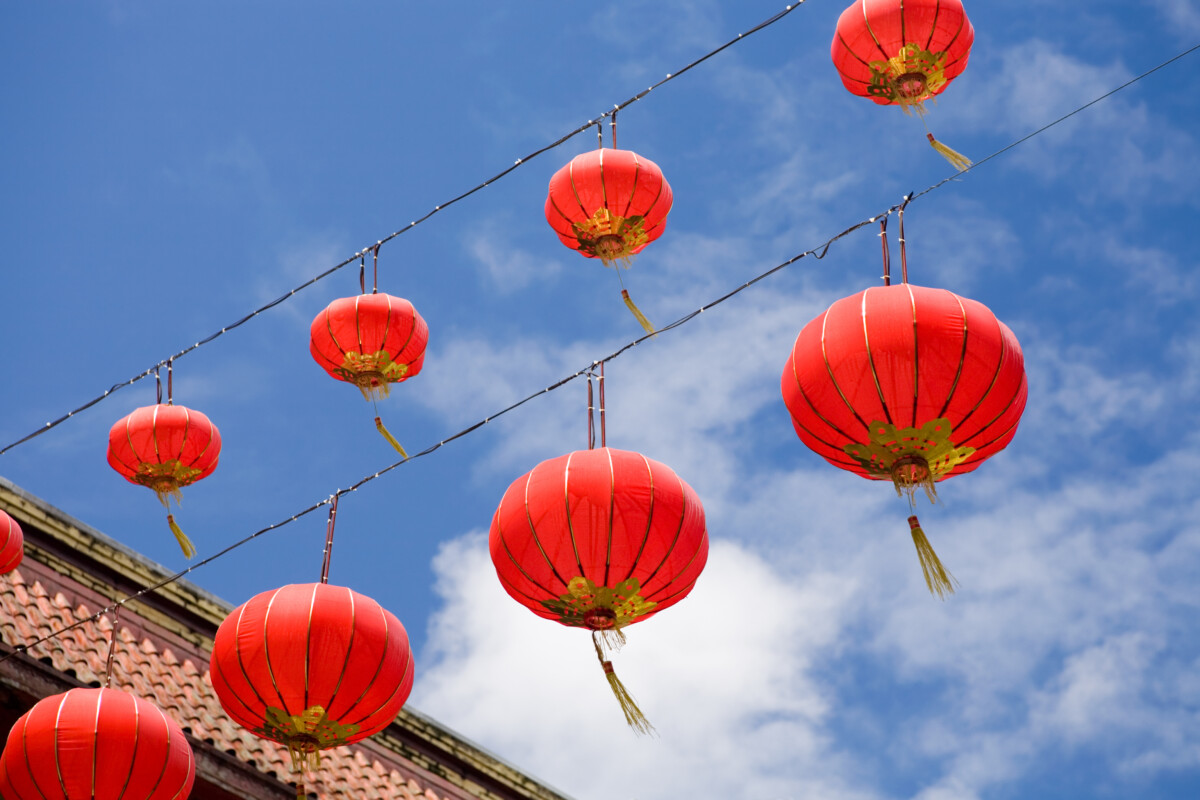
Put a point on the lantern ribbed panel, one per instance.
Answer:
(308, 645)
(96, 744)
(12, 544)
(873, 31)
(622, 182)
(905, 355)
(366, 325)
(605, 515)
(162, 434)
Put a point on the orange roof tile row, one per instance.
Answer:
(183, 690)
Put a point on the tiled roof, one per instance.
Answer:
(180, 685)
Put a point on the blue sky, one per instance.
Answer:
(170, 167)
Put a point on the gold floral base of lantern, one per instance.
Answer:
(166, 479)
(909, 78)
(609, 237)
(305, 735)
(372, 373)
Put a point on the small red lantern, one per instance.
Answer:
(903, 52)
(609, 204)
(907, 384)
(312, 666)
(371, 341)
(600, 539)
(12, 544)
(165, 447)
(96, 744)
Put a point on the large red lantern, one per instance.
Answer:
(371, 341)
(12, 544)
(903, 52)
(165, 447)
(96, 744)
(609, 204)
(599, 539)
(312, 666)
(907, 384)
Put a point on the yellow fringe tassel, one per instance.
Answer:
(957, 159)
(637, 312)
(391, 439)
(184, 542)
(939, 579)
(634, 717)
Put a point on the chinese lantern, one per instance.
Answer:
(371, 341)
(600, 539)
(12, 544)
(311, 666)
(609, 204)
(165, 447)
(907, 384)
(903, 52)
(96, 744)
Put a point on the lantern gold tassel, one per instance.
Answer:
(185, 543)
(391, 439)
(634, 717)
(637, 312)
(939, 579)
(957, 159)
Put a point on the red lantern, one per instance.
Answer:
(312, 666)
(96, 744)
(599, 539)
(12, 544)
(906, 384)
(165, 447)
(903, 52)
(609, 204)
(372, 341)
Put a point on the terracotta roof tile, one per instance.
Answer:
(182, 688)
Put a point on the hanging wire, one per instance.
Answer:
(157, 387)
(903, 252)
(521, 161)
(887, 256)
(613, 125)
(112, 648)
(170, 382)
(819, 252)
(591, 439)
(328, 554)
(375, 277)
(362, 274)
(603, 433)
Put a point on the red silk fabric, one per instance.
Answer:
(96, 744)
(312, 644)
(621, 181)
(162, 434)
(606, 515)
(871, 31)
(367, 324)
(12, 544)
(905, 355)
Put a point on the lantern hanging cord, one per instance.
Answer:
(112, 649)
(818, 252)
(327, 555)
(358, 256)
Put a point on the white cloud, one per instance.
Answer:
(723, 676)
